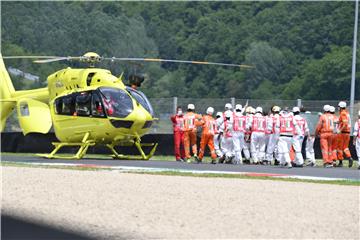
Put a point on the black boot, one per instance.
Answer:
(350, 162)
(340, 163)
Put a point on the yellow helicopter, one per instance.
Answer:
(86, 106)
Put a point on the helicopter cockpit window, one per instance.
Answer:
(24, 109)
(97, 109)
(68, 105)
(141, 98)
(58, 106)
(117, 102)
(83, 104)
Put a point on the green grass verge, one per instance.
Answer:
(87, 156)
(93, 156)
(99, 156)
(189, 174)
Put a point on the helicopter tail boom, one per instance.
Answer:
(33, 100)
(6, 91)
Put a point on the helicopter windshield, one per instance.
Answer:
(142, 99)
(116, 101)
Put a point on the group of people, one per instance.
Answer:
(248, 135)
(334, 133)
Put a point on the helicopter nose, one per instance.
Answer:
(140, 119)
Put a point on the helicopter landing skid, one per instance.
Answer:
(84, 145)
(139, 146)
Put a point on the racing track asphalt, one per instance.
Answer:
(344, 173)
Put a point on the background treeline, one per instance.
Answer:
(300, 49)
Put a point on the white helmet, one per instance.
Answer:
(218, 114)
(319, 114)
(238, 107)
(228, 114)
(359, 113)
(228, 106)
(307, 112)
(332, 109)
(326, 108)
(252, 110)
(210, 110)
(342, 104)
(191, 106)
(276, 109)
(259, 110)
(248, 109)
(296, 109)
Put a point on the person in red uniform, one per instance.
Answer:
(287, 126)
(178, 127)
(344, 127)
(356, 140)
(209, 129)
(257, 125)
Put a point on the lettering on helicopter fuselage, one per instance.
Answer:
(59, 84)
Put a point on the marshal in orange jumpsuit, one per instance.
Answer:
(207, 138)
(325, 128)
(335, 137)
(344, 135)
(190, 121)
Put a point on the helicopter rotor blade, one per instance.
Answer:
(178, 61)
(57, 59)
(48, 59)
(42, 59)
(28, 57)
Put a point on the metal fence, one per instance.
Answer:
(165, 107)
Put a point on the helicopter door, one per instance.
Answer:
(34, 116)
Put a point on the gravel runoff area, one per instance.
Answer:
(114, 205)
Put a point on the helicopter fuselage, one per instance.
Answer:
(93, 101)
